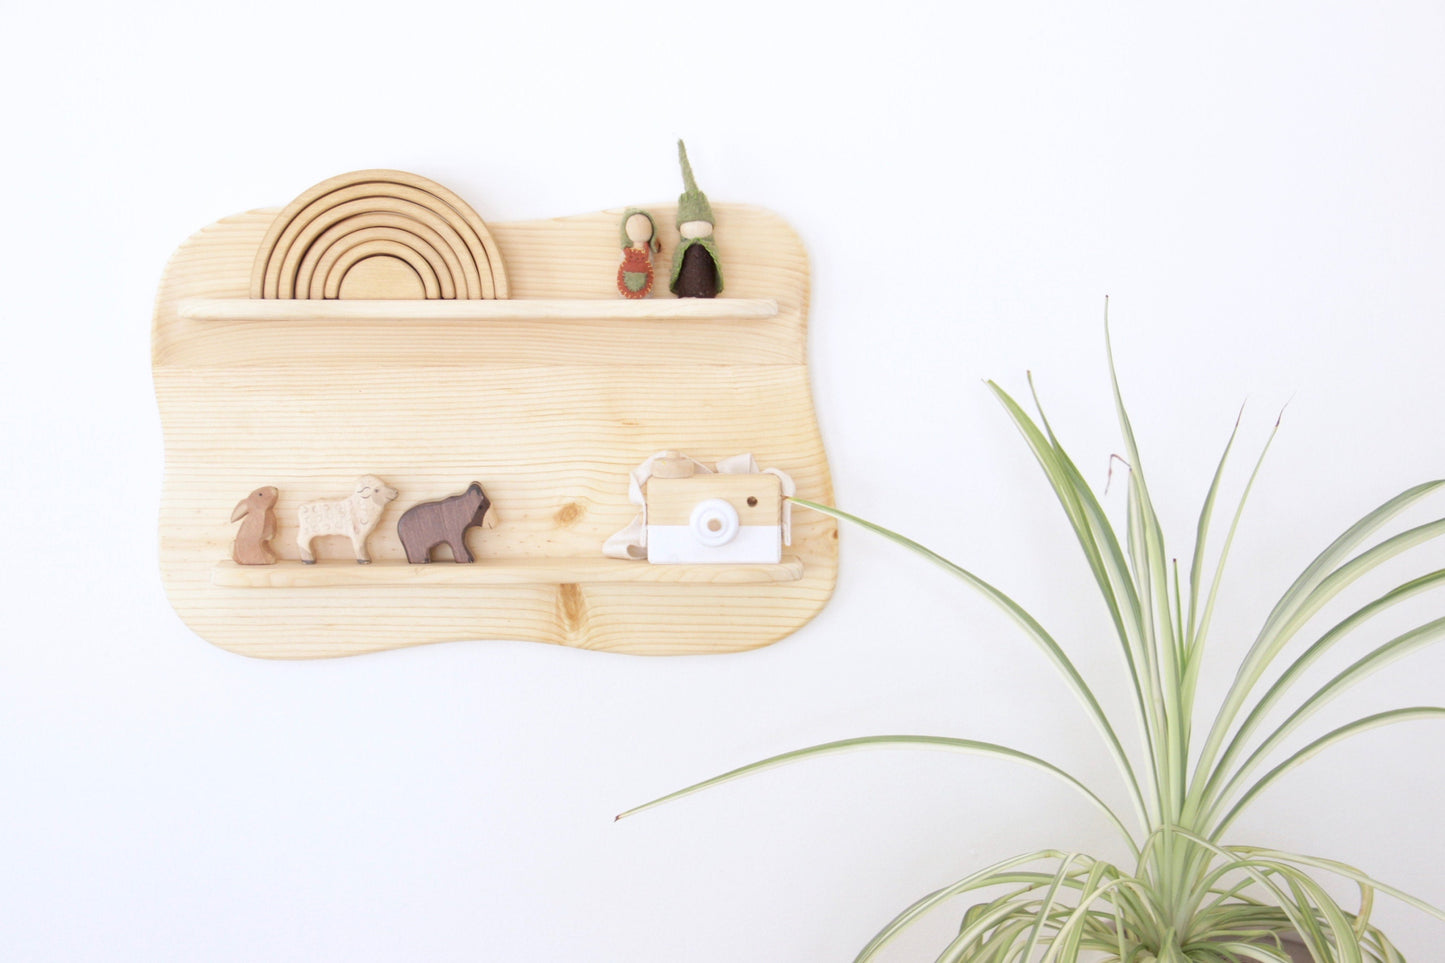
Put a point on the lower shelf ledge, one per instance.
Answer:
(510, 571)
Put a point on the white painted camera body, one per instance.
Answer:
(711, 518)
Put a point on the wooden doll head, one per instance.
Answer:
(638, 229)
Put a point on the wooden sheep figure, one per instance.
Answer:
(354, 516)
(256, 513)
(425, 526)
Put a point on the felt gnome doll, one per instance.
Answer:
(695, 270)
(639, 243)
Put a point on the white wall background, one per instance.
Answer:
(1258, 187)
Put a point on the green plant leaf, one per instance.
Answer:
(1031, 627)
(1046, 909)
(897, 742)
(1303, 599)
(1396, 648)
(1324, 742)
(1199, 630)
(999, 873)
(1189, 898)
(1382, 655)
(1348, 872)
(1106, 560)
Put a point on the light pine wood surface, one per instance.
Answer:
(541, 570)
(670, 501)
(549, 409)
(515, 309)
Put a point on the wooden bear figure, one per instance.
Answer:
(425, 526)
(256, 513)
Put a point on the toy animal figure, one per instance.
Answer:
(354, 516)
(425, 526)
(639, 243)
(695, 269)
(256, 513)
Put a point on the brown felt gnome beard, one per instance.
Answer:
(695, 271)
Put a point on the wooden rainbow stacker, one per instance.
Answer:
(377, 325)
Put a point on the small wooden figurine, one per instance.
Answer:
(256, 513)
(695, 269)
(423, 527)
(354, 516)
(639, 243)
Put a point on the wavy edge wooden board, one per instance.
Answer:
(549, 411)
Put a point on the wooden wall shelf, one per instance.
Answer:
(549, 399)
(509, 571)
(550, 309)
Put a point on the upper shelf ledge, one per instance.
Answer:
(513, 309)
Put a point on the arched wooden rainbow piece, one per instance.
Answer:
(379, 248)
(366, 211)
(451, 251)
(310, 277)
(315, 282)
(305, 229)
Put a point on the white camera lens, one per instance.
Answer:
(714, 522)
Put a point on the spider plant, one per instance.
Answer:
(1184, 893)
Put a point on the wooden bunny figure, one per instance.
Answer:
(256, 513)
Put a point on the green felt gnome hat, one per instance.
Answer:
(692, 203)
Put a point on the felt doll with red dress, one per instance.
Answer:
(639, 243)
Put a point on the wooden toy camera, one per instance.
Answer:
(714, 518)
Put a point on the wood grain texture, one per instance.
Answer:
(670, 501)
(380, 249)
(552, 411)
(332, 267)
(381, 277)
